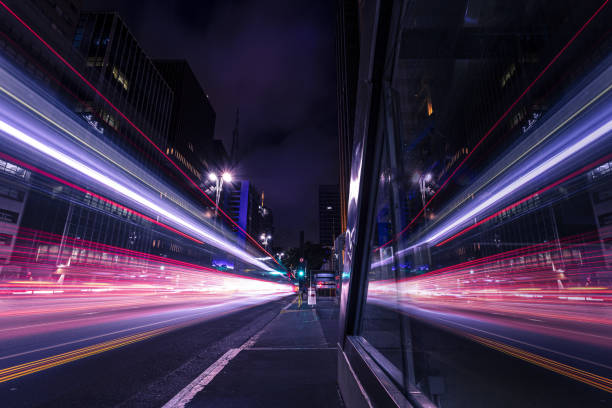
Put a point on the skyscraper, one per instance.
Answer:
(347, 66)
(127, 76)
(244, 204)
(192, 124)
(329, 214)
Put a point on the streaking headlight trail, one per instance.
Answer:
(91, 167)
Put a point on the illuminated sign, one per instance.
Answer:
(89, 118)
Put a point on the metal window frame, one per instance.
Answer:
(360, 366)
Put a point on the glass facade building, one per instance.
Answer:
(477, 253)
(329, 214)
(127, 76)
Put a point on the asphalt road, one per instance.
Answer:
(118, 351)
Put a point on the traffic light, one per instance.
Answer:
(301, 269)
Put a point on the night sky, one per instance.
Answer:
(273, 59)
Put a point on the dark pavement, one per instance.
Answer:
(144, 374)
(291, 364)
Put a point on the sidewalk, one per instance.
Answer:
(291, 363)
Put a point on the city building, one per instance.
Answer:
(101, 47)
(58, 19)
(217, 156)
(14, 193)
(347, 65)
(329, 214)
(244, 204)
(55, 22)
(463, 110)
(122, 72)
(192, 124)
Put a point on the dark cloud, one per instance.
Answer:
(274, 59)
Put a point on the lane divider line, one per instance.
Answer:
(197, 385)
(21, 370)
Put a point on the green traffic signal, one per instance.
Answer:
(301, 273)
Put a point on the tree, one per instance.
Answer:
(314, 254)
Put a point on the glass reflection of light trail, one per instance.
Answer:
(549, 303)
(574, 136)
(496, 124)
(531, 299)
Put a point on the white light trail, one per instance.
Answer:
(442, 232)
(529, 176)
(126, 192)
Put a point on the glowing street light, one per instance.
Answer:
(265, 238)
(218, 180)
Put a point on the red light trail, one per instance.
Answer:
(83, 266)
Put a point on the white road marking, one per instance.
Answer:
(290, 303)
(197, 385)
(186, 394)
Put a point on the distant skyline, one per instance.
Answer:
(275, 61)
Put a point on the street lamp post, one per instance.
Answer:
(218, 180)
(265, 239)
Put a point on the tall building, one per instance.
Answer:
(244, 204)
(192, 125)
(329, 214)
(56, 22)
(235, 149)
(13, 197)
(347, 66)
(217, 156)
(99, 46)
(122, 72)
(241, 202)
(58, 18)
